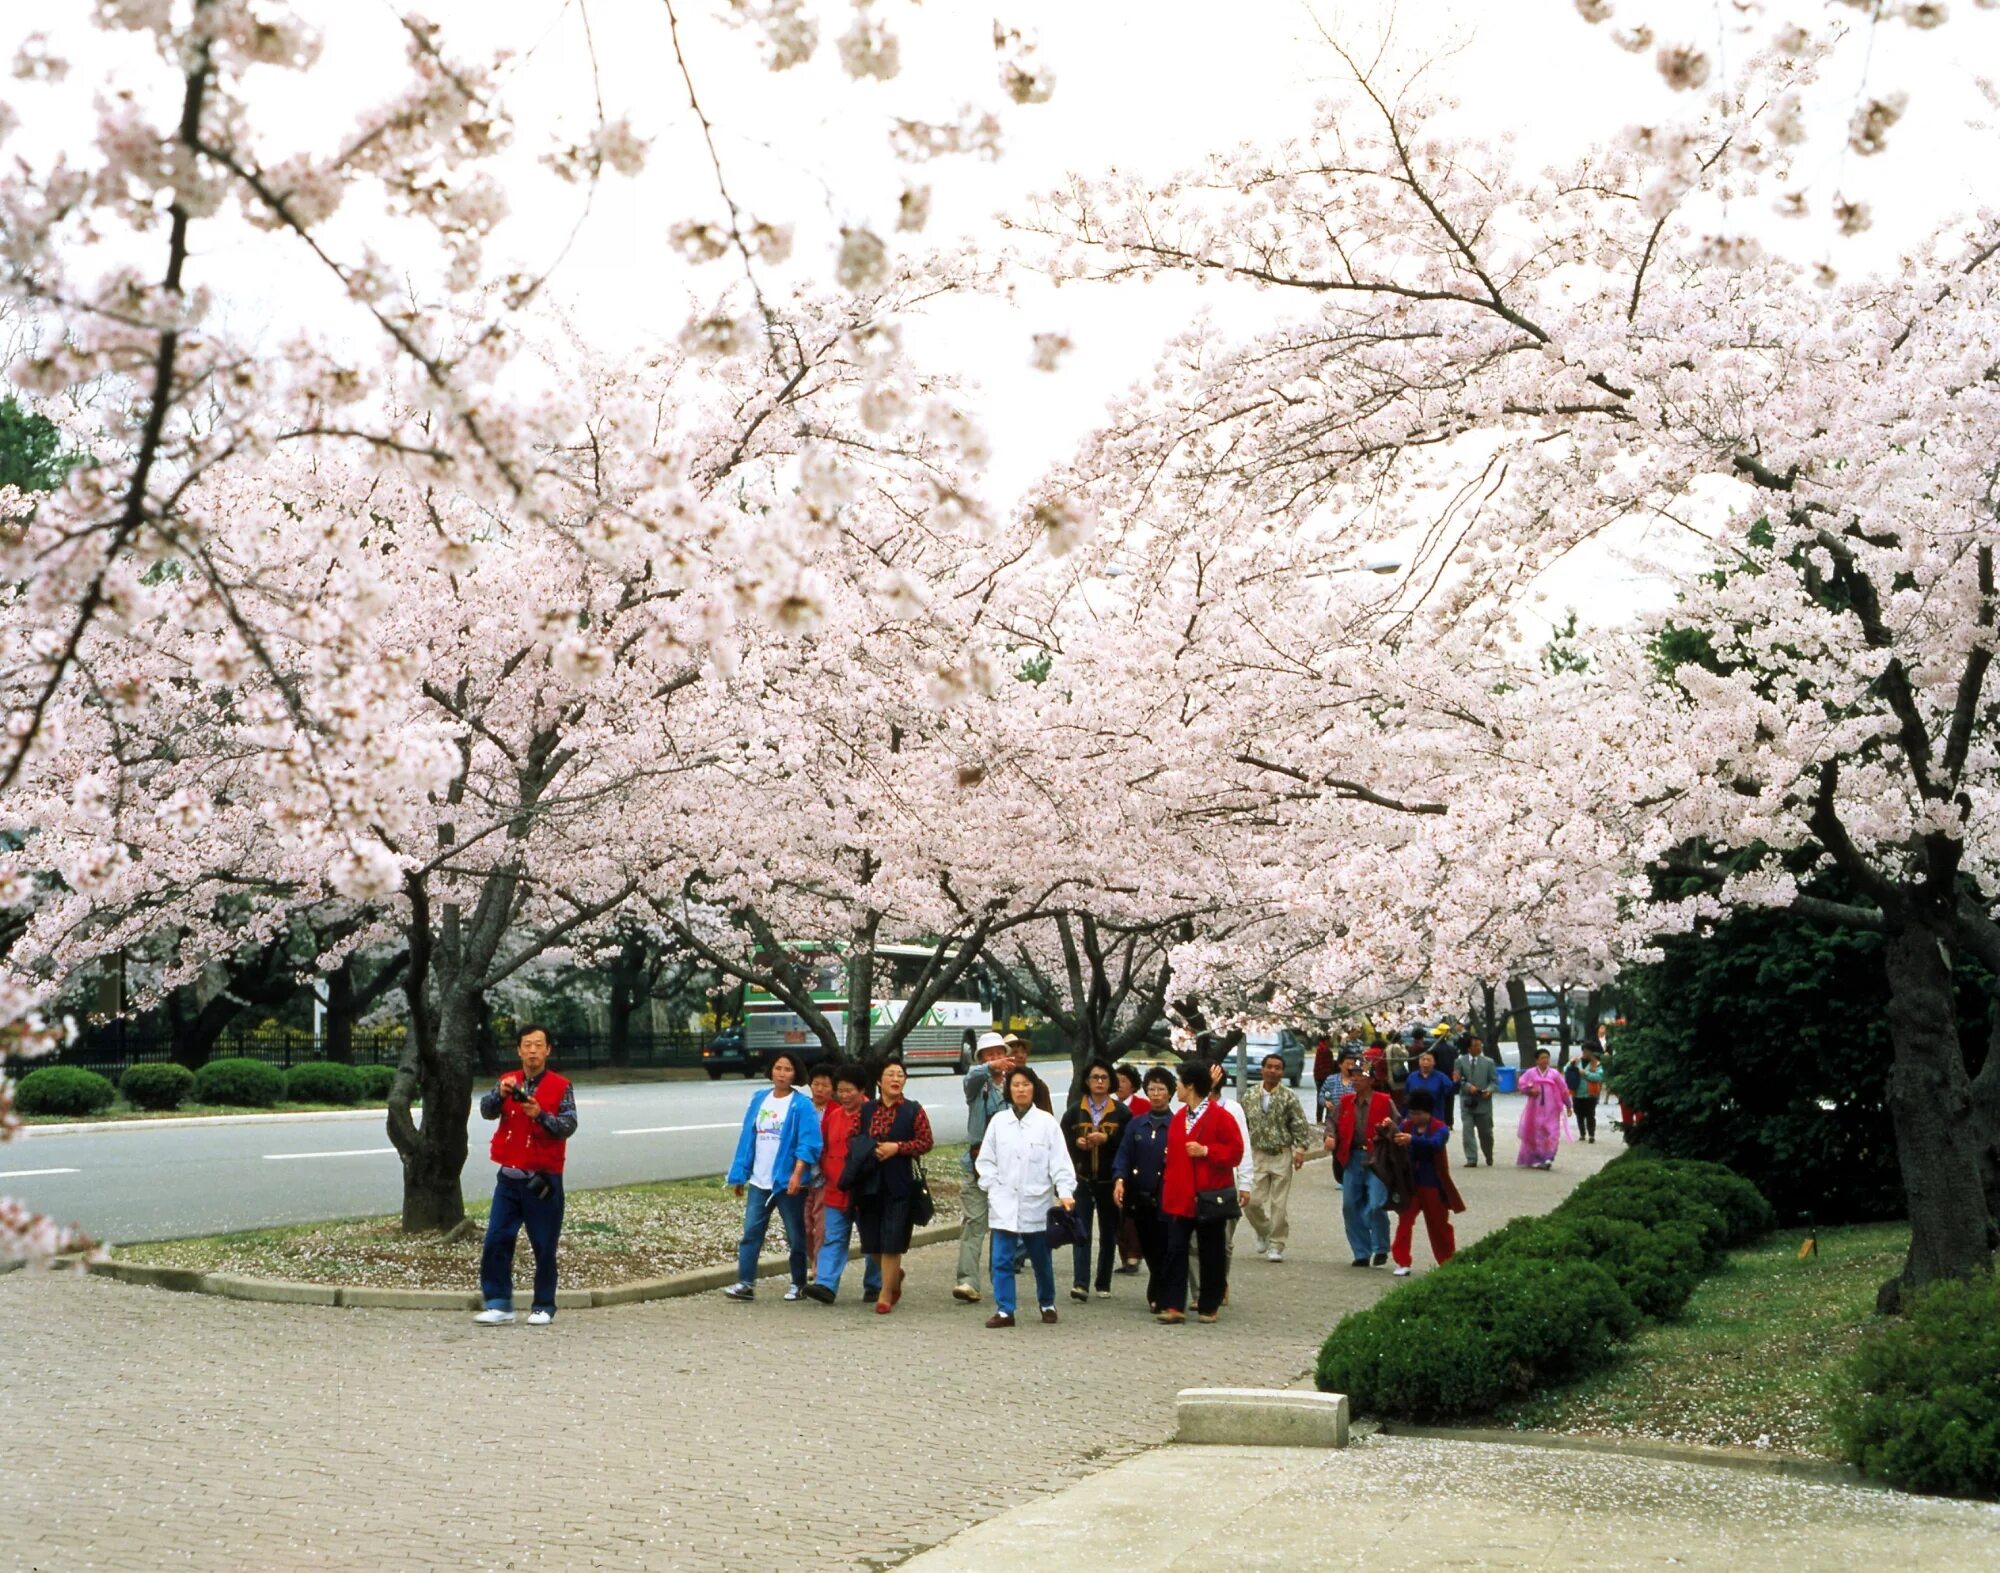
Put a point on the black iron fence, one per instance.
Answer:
(109, 1047)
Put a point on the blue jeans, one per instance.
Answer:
(1008, 1249)
(1364, 1208)
(833, 1256)
(757, 1207)
(514, 1206)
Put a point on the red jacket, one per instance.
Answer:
(1380, 1107)
(1216, 1130)
(520, 1142)
(836, 1128)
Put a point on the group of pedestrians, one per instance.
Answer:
(1169, 1157)
(1159, 1165)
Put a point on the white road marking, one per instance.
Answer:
(22, 1174)
(347, 1152)
(667, 1130)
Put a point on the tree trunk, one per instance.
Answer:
(1487, 1022)
(195, 1036)
(341, 1011)
(1562, 1025)
(861, 993)
(434, 1158)
(1985, 1089)
(1930, 1108)
(628, 974)
(485, 1040)
(1524, 1022)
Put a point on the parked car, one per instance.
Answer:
(1286, 1044)
(725, 1052)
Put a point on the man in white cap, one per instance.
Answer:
(984, 1098)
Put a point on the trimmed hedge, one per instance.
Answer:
(375, 1082)
(1543, 1300)
(322, 1081)
(1918, 1403)
(1656, 1268)
(249, 1084)
(163, 1086)
(63, 1089)
(1659, 1190)
(1464, 1342)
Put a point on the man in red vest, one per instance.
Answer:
(536, 1109)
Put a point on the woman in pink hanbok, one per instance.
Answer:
(1548, 1100)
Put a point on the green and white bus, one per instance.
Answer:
(944, 1038)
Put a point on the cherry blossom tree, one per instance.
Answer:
(1499, 367)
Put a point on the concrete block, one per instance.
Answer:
(270, 1291)
(574, 1300)
(1260, 1417)
(183, 1280)
(361, 1299)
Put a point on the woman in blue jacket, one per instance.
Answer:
(1137, 1171)
(775, 1155)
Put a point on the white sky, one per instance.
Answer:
(1143, 85)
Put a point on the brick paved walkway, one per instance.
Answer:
(148, 1430)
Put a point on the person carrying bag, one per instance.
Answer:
(1198, 1194)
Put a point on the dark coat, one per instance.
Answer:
(1393, 1168)
(865, 1176)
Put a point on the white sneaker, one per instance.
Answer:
(493, 1318)
(1402, 1272)
(739, 1292)
(1275, 1254)
(1263, 1246)
(792, 1292)
(540, 1318)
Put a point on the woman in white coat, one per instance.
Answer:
(1024, 1169)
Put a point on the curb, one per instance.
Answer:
(1663, 1452)
(183, 1122)
(355, 1297)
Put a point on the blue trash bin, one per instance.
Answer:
(1507, 1075)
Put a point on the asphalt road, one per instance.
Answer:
(139, 1182)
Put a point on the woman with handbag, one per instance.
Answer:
(884, 1181)
(1025, 1171)
(1137, 1173)
(1092, 1126)
(1198, 1194)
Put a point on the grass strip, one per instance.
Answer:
(1748, 1362)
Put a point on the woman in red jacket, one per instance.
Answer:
(1204, 1146)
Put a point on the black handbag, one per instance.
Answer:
(1210, 1206)
(1065, 1227)
(922, 1208)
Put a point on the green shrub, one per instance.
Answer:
(163, 1086)
(1656, 1268)
(375, 1081)
(249, 1084)
(322, 1081)
(1918, 1404)
(63, 1089)
(1692, 1184)
(1649, 1195)
(1463, 1341)
(1741, 1204)
(1543, 1300)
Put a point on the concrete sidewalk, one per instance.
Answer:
(1397, 1502)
